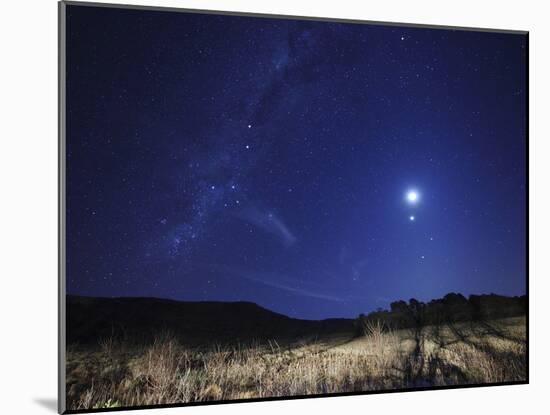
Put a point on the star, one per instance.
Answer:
(411, 218)
(412, 196)
(247, 147)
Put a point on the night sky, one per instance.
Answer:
(244, 158)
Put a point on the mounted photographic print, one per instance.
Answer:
(259, 207)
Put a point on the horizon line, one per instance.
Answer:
(467, 297)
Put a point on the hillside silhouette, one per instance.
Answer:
(90, 319)
(141, 319)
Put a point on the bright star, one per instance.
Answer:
(411, 218)
(412, 196)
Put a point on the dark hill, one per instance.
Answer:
(90, 319)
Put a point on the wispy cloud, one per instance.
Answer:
(290, 288)
(269, 222)
(278, 281)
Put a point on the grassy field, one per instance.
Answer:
(167, 371)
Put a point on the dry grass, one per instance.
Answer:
(168, 372)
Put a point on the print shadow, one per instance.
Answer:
(48, 403)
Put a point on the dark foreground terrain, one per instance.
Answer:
(144, 351)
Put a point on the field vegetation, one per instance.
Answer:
(116, 372)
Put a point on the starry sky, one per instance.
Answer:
(272, 160)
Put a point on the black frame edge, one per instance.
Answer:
(61, 303)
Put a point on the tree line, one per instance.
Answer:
(453, 307)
